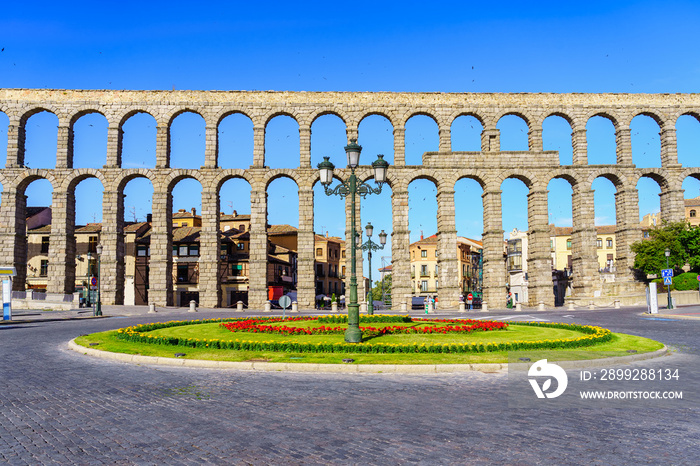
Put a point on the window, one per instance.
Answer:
(464, 270)
(182, 273)
(45, 244)
(184, 224)
(194, 250)
(236, 270)
(343, 269)
(44, 271)
(424, 253)
(424, 285)
(609, 243)
(551, 245)
(436, 284)
(599, 243)
(319, 252)
(436, 253)
(182, 250)
(342, 253)
(515, 262)
(568, 244)
(174, 250)
(423, 270)
(692, 214)
(241, 246)
(141, 251)
(92, 244)
(436, 270)
(241, 227)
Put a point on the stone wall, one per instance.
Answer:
(489, 167)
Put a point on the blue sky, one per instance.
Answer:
(363, 46)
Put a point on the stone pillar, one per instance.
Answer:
(401, 283)
(306, 291)
(258, 146)
(13, 241)
(627, 232)
(15, 145)
(61, 271)
(349, 243)
(211, 150)
(624, 146)
(494, 275)
(672, 205)
(160, 277)
(209, 251)
(399, 146)
(534, 140)
(669, 147)
(162, 147)
(584, 256)
(112, 241)
(445, 134)
(64, 148)
(539, 257)
(257, 262)
(351, 132)
(490, 140)
(304, 147)
(115, 136)
(579, 143)
(448, 261)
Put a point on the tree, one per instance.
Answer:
(680, 238)
(377, 289)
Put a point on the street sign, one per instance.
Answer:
(285, 301)
(8, 272)
(93, 281)
(470, 297)
(668, 280)
(667, 273)
(699, 278)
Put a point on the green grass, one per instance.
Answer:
(619, 346)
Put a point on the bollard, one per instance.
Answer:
(334, 307)
(151, 308)
(295, 306)
(591, 306)
(484, 306)
(518, 307)
(430, 308)
(541, 306)
(363, 307)
(268, 307)
(617, 304)
(193, 306)
(403, 307)
(461, 307)
(571, 306)
(239, 306)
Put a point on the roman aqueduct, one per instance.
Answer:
(489, 167)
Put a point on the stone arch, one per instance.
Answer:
(119, 183)
(267, 117)
(134, 111)
(27, 177)
(388, 115)
(78, 175)
(472, 113)
(327, 111)
(421, 111)
(177, 175)
(608, 114)
(275, 174)
(219, 117)
(657, 116)
(216, 183)
(174, 113)
(562, 113)
(527, 117)
(657, 174)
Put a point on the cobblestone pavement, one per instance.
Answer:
(60, 407)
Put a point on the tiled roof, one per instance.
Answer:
(186, 234)
(426, 241)
(280, 229)
(330, 239)
(185, 214)
(231, 218)
(134, 227)
(89, 228)
(694, 202)
(41, 229)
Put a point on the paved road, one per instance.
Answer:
(59, 407)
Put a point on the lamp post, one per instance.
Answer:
(98, 308)
(667, 253)
(88, 300)
(351, 187)
(370, 246)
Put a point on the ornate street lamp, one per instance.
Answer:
(667, 253)
(370, 246)
(351, 187)
(98, 307)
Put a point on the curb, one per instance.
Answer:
(646, 315)
(350, 368)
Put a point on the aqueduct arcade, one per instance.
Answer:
(489, 167)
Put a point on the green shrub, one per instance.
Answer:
(683, 282)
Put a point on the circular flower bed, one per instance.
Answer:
(139, 333)
(262, 325)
